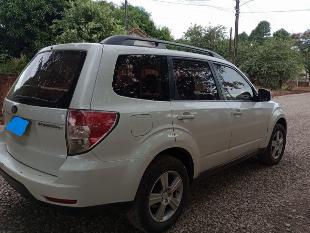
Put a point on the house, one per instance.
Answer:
(137, 32)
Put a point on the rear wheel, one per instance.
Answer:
(274, 152)
(162, 195)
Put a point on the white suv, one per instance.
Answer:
(128, 120)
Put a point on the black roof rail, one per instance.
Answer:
(160, 44)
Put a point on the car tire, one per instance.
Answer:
(156, 208)
(273, 154)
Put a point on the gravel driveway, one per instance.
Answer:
(248, 197)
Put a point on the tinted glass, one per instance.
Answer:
(194, 80)
(234, 85)
(142, 76)
(50, 79)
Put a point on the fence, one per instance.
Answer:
(299, 83)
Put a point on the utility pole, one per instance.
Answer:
(126, 16)
(236, 31)
(230, 43)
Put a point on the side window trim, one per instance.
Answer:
(174, 92)
(172, 82)
(242, 75)
(218, 84)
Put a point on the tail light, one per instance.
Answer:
(86, 128)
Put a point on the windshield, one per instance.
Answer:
(50, 79)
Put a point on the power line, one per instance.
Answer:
(275, 11)
(195, 4)
(254, 15)
(196, 0)
(191, 3)
(246, 2)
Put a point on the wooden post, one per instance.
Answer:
(230, 44)
(236, 31)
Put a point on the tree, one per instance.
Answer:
(163, 33)
(303, 43)
(25, 25)
(271, 63)
(209, 37)
(138, 17)
(261, 32)
(282, 34)
(86, 20)
(243, 36)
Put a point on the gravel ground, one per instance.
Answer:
(248, 197)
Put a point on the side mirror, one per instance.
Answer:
(264, 95)
(244, 96)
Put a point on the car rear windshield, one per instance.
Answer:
(50, 79)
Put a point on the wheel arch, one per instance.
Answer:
(184, 156)
(179, 153)
(282, 121)
(278, 117)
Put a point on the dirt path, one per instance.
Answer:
(248, 197)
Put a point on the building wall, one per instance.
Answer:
(6, 81)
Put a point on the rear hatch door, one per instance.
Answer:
(42, 95)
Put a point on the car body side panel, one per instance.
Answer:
(276, 114)
(208, 130)
(249, 129)
(130, 138)
(83, 91)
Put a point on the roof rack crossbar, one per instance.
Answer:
(130, 41)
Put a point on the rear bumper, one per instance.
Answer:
(19, 187)
(85, 179)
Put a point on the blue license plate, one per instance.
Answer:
(17, 126)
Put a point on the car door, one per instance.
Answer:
(200, 117)
(248, 116)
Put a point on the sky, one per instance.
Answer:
(179, 15)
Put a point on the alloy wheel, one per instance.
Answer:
(277, 144)
(165, 196)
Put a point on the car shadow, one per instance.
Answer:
(32, 216)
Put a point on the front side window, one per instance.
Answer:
(50, 79)
(142, 77)
(194, 80)
(234, 85)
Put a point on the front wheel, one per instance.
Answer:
(161, 196)
(275, 150)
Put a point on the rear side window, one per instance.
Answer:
(50, 79)
(194, 80)
(142, 77)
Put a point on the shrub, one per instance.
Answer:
(12, 65)
(270, 64)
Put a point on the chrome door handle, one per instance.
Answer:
(186, 116)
